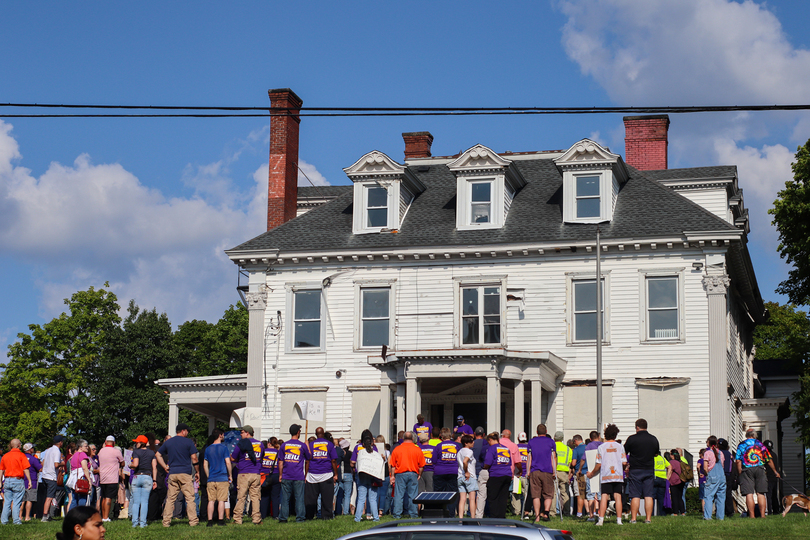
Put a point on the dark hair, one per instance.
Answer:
(328, 437)
(712, 442)
(594, 435)
(541, 429)
(722, 444)
(367, 438)
(466, 439)
(611, 431)
(641, 423)
(78, 516)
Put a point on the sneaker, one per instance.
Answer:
(106, 520)
(211, 523)
(591, 519)
(45, 519)
(632, 521)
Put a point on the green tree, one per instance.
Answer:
(791, 215)
(44, 386)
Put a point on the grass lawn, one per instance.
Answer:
(690, 527)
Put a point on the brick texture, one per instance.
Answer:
(417, 144)
(645, 141)
(282, 186)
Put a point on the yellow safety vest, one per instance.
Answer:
(660, 467)
(563, 456)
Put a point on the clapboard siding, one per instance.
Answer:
(714, 200)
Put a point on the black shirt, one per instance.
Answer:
(145, 458)
(641, 449)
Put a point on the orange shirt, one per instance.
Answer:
(407, 457)
(14, 463)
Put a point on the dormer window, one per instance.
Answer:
(485, 186)
(592, 177)
(383, 192)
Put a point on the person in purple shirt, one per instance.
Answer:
(445, 464)
(30, 494)
(426, 480)
(321, 476)
(421, 426)
(542, 465)
(271, 487)
(462, 427)
(294, 455)
(247, 454)
(498, 462)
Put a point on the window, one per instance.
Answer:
(481, 202)
(588, 202)
(375, 317)
(662, 308)
(306, 319)
(376, 206)
(585, 310)
(480, 315)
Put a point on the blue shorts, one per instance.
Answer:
(467, 486)
(640, 483)
(701, 492)
(51, 488)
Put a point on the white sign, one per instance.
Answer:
(590, 458)
(372, 463)
(311, 410)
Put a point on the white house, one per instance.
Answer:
(466, 284)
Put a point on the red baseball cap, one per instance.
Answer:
(141, 439)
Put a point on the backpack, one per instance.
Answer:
(686, 473)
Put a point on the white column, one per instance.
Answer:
(212, 423)
(174, 417)
(716, 288)
(385, 410)
(411, 396)
(449, 419)
(418, 398)
(537, 407)
(400, 408)
(493, 403)
(551, 420)
(520, 405)
(257, 304)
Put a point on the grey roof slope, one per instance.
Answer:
(321, 191)
(720, 171)
(644, 208)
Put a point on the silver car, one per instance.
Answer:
(459, 529)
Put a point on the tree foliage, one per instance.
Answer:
(791, 215)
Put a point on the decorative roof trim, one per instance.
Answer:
(478, 157)
(234, 381)
(377, 165)
(363, 388)
(590, 154)
(663, 382)
(588, 382)
(286, 389)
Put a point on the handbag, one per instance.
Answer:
(82, 486)
(72, 479)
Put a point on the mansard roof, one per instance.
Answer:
(644, 209)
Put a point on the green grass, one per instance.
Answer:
(666, 528)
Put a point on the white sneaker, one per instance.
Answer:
(106, 519)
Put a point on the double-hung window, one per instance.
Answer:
(306, 319)
(376, 206)
(584, 313)
(663, 318)
(481, 201)
(588, 203)
(481, 315)
(375, 316)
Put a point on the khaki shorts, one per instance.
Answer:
(542, 484)
(582, 480)
(218, 491)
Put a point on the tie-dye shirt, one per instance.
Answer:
(752, 453)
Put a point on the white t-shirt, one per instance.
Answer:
(49, 457)
(612, 457)
(466, 453)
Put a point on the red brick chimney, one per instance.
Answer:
(645, 141)
(282, 186)
(417, 144)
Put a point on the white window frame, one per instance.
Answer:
(571, 279)
(606, 188)
(678, 274)
(292, 288)
(464, 197)
(360, 217)
(480, 281)
(359, 286)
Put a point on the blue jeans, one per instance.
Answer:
(366, 491)
(288, 489)
(714, 490)
(383, 495)
(79, 499)
(406, 485)
(14, 489)
(141, 487)
(347, 483)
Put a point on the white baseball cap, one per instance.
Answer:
(110, 438)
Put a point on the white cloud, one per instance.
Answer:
(83, 224)
(307, 173)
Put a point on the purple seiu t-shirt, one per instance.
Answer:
(427, 451)
(499, 459)
(242, 459)
(523, 448)
(358, 447)
(270, 460)
(445, 458)
(541, 448)
(294, 454)
(33, 470)
(463, 429)
(419, 429)
(323, 452)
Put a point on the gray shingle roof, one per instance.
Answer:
(644, 208)
(720, 171)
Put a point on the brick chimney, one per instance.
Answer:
(645, 141)
(417, 144)
(282, 186)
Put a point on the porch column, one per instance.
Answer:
(385, 411)
(449, 418)
(212, 424)
(493, 403)
(520, 405)
(716, 287)
(400, 408)
(174, 417)
(537, 407)
(418, 398)
(411, 399)
(257, 303)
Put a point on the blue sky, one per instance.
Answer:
(150, 204)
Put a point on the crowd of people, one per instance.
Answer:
(320, 477)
